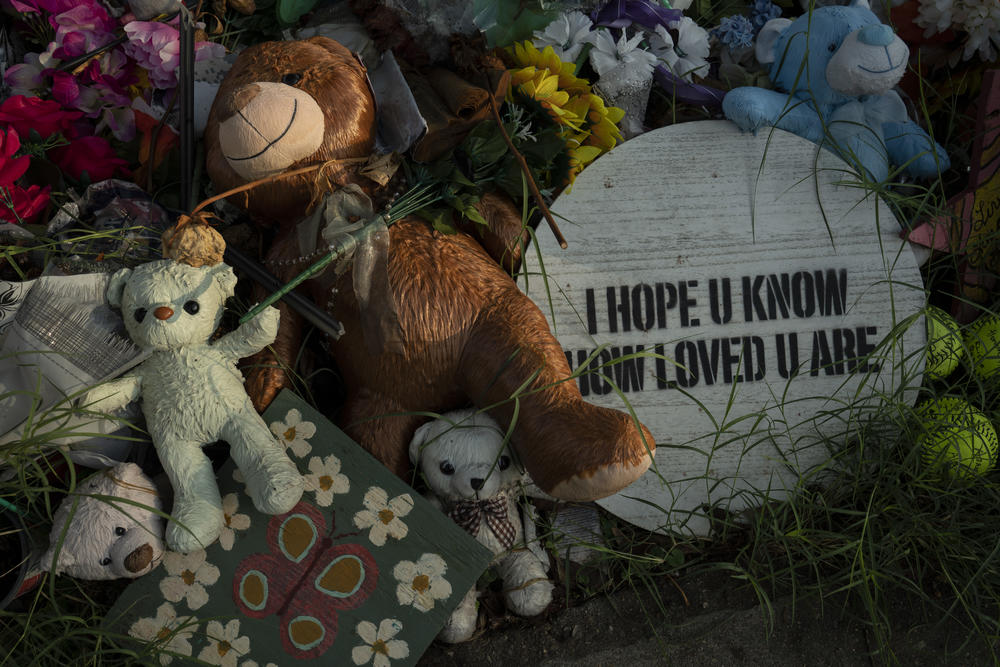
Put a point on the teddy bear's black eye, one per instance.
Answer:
(503, 463)
(119, 531)
(447, 468)
(140, 314)
(832, 47)
(105, 561)
(291, 78)
(191, 307)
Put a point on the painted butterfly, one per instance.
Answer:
(305, 580)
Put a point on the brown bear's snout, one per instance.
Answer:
(139, 559)
(163, 313)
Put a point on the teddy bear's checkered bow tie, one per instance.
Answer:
(467, 514)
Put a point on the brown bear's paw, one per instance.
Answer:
(265, 377)
(599, 483)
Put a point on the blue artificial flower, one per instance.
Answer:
(762, 12)
(735, 31)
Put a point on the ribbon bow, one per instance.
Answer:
(469, 513)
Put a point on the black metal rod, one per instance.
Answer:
(185, 92)
(300, 304)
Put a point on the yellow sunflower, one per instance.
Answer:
(589, 125)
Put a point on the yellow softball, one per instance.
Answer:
(957, 439)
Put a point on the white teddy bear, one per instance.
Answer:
(193, 395)
(474, 480)
(104, 539)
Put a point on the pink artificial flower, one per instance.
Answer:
(27, 204)
(121, 122)
(156, 47)
(93, 155)
(46, 117)
(28, 77)
(11, 168)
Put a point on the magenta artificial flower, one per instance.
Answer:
(28, 203)
(47, 117)
(81, 29)
(93, 155)
(11, 168)
(38, 6)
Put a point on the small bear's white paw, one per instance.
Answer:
(194, 525)
(275, 489)
(530, 600)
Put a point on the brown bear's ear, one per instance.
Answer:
(337, 49)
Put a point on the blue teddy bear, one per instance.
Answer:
(837, 67)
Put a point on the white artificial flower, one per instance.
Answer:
(233, 521)
(171, 632)
(422, 582)
(294, 433)
(935, 16)
(225, 646)
(689, 56)
(380, 645)
(622, 59)
(187, 576)
(981, 20)
(382, 515)
(566, 35)
(325, 479)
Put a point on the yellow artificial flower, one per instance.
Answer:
(589, 125)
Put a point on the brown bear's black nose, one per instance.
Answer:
(163, 313)
(476, 483)
(139, 559)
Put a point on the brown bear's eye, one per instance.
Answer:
(140, 314)
(291, 78)
(447, 468)
(503, 463)
(191, 307)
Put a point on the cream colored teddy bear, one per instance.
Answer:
(192, 393)
(474, 480)
(94, 537)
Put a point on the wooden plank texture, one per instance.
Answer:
(705, 266)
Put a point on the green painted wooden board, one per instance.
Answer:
(362, 571)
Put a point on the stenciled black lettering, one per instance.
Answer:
(724, 314)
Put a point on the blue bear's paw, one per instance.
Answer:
(747, 108)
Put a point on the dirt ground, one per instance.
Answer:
(711, 619)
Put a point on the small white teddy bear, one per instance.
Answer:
(473, 479)
(193, 395)
(104, 539)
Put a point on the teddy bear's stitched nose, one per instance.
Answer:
(163, 313)
(139, 559)
(240, 99)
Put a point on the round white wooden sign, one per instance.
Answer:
(742, 297)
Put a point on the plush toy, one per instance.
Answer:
(193, 395)
(474, 479)
(466, 333)
(836, 68)
(105, 539)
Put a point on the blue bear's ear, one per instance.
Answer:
(768, 37)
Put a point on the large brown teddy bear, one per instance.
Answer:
(468, 334)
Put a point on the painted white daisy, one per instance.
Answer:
(382, 515)
(566, 35)
(234, 521)
(294, 433)
(423, 582)
(379, 646)
(225, 646)
(325, 479)
(689, 55)
(172, 633)
(187, 576)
